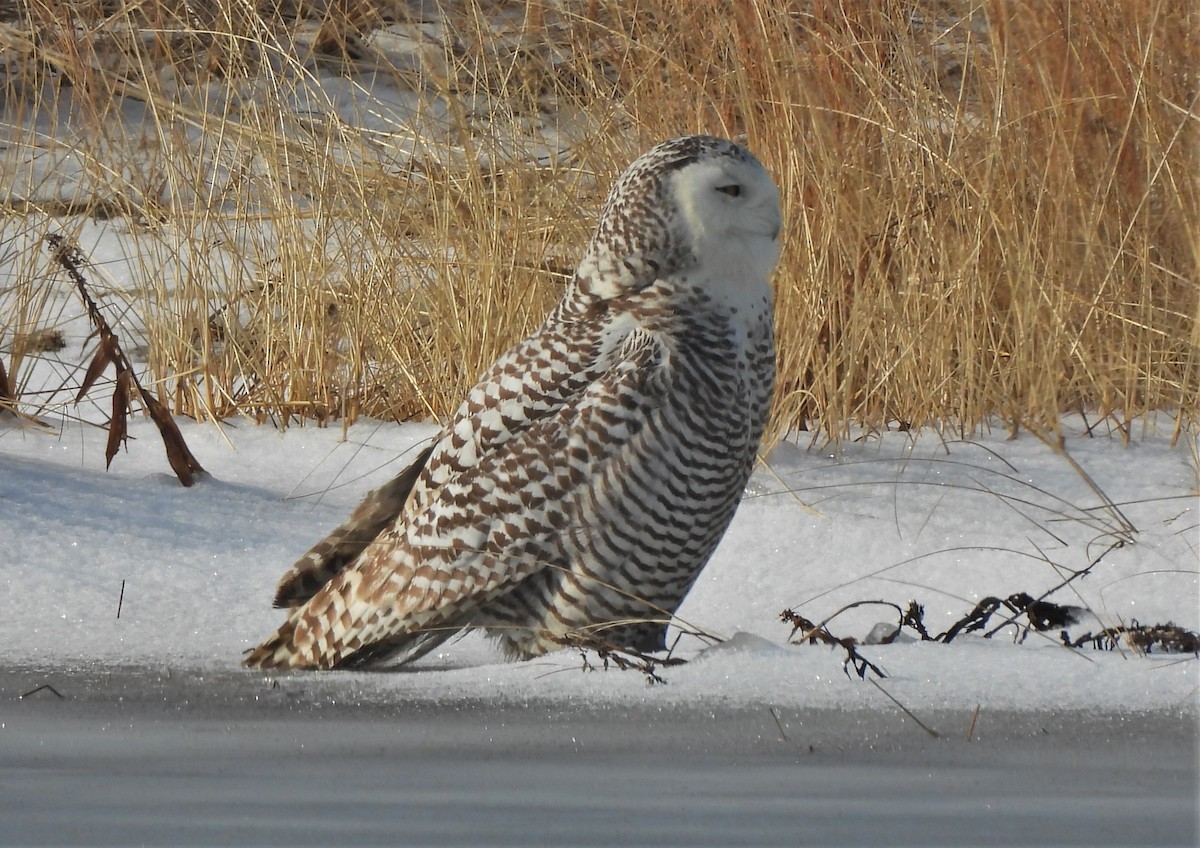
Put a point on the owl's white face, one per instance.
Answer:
(695, 208)
(730, 214)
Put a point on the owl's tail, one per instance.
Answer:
(279, 651)
(287, 648)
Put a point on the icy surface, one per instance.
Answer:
(133, 755)
(479, 778)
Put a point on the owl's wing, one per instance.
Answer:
(480, 532)
(324, 560)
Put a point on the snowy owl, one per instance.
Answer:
(587, 478)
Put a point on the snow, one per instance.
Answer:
(889, 517)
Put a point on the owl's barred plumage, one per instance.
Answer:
(590, 473)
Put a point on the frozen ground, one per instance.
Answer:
(134, 756)
(161, 737)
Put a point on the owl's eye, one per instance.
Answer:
(733, 190)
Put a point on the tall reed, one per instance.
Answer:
(991, 207)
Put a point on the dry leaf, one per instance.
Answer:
(118, 424)
(182, 462)
(106, 353)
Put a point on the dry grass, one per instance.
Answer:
(992, 207)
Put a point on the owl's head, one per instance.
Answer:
(692, 204)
